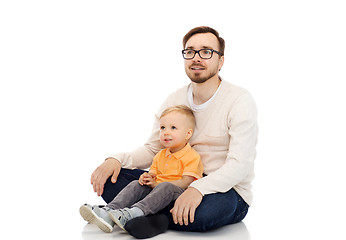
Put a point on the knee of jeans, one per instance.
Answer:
(167, 186)
(134, 182)
(164, 185)
(241, 215)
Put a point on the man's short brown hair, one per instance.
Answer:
(205, 29)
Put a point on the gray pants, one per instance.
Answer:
(149, 200)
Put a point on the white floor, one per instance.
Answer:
(60, 220)
(237, 231)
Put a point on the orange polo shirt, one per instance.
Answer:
(173, 166)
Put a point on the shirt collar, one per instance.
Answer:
(180, 153)
(203, 105)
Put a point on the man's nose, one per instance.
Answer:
(197, 58)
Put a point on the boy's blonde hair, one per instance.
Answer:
(184, 110)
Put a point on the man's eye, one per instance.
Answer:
(207, 52)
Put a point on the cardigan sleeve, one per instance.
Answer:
(243, 130)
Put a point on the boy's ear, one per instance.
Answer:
(189, 134)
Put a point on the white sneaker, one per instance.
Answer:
(120, 217)
(98, 216)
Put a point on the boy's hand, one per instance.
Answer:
(141, 180)
(148, 179)
(151, 182)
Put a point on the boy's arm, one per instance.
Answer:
(184, 182)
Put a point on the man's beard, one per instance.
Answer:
(197, 78)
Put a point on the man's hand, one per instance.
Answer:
(185, 206)
(110, 167)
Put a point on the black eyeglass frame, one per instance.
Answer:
(197, 51)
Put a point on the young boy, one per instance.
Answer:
(172, 171)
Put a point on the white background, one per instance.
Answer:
(83, 79)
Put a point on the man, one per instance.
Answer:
(225, 137)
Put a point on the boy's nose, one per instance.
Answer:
(166, 132)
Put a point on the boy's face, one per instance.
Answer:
(174, 131)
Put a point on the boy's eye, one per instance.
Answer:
(162, 128)
(173, 127)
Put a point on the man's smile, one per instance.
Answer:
(197, 68)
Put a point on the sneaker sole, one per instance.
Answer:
(91, 217)
(117, 222)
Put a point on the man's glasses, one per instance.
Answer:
(203, 53)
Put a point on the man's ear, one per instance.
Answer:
(221, 61)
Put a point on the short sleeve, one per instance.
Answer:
(193, 165)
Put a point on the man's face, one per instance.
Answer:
(200, 70)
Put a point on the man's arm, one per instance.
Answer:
(239, 162)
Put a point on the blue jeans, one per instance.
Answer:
(216, 210)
